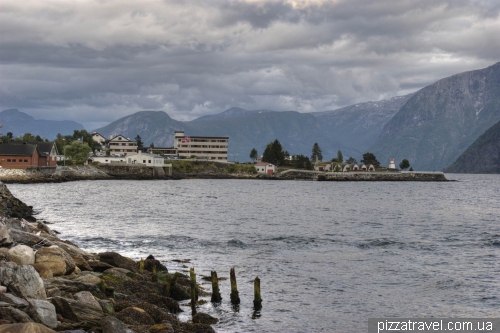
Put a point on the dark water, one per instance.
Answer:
(330, 255)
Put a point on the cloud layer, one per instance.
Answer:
(96, 61)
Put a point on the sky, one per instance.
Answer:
(95, 61)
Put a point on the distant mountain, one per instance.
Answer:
(20, 123)
(439, 122)
(230, 113)
(483, 156)
(358, 126)
(152, 126)
(349, 129)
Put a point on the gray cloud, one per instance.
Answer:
(97, 61)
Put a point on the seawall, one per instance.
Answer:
(364, 176)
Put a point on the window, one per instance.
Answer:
(143, 161)
(14, 160)
(149, 161)
(8, 160)
(26, 161)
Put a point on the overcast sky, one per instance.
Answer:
(97, 61)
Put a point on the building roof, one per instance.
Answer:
(44, 147)
(123, 136)
(263, 164)
(20, 149)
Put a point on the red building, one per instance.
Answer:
(21, 155)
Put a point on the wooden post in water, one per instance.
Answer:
(193, 291)
(257, 301)
(155, 275)
(215, 287)
(141, 266)
(235, 298)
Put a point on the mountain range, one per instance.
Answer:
(483, 156)
(19, 123)
(431, 127)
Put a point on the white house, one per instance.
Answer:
(121, 145)
(109, 159)
(265, 168)
(151, 160)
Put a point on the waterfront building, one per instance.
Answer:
(120, 145)
(392, 164)
(201, 147)
(265, 168)
(23, 155)
(145, 159)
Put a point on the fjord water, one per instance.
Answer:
(330, 255)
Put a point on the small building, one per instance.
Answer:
(319, 167)
(19, 155)
(368, 167)
(201, 147)
(48, 153)
(109, 159)
(392, 164)
(120, 145)
(151, 160)
(265, 168)
(354, 167)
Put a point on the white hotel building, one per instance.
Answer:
(202, 147)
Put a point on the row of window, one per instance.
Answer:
(13, 160)
(199, 146)
(201, 152)
(122, 144)
(202, 140)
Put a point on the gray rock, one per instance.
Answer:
(121, 273)
(23, 281)
(203, 318)
(69, 286)
(113, 325)
(43, 312)
(21, 255)
(5, 237)
(88, 298)
(25, 328)
(13, 300)
(107, 306)
(77, 311)
(117, 260)
(43, 270)
(79, 256)
(3, 289)
(99, 266)
(14, 315)
(28, 238)
(89, 278)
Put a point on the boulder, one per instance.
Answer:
(13, 300)
(203, 318)
(14, 315)
(88, 298)
(113, 325)
(56, 259)
(3, 289)
(150, 263)
(159, 315)
(5, 237)
(25, 328)
(135, 316)
(43, 270)
(99, 266)
(117, 260)
(24, 281)
(28, 238)
(161, 328)
(21, 255)
(69, 286)
(18, 224)
(42, 312)
(79, 256)
(88, 278)
(120, 273)
(77, 311)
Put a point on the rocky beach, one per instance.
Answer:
(51, 285)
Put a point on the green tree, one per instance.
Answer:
(138, 139)
(351, 160)
(340, 157)
(405, 164)
(152, 145)
(87, 137)
(77, 152)
(10, 136)
(301, 162)
(369, 158)
(253, 154)
(316, 153)
(274, 153)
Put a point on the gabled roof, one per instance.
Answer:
(19, 149)
(123, 136)
(45, 147)
(263, 164)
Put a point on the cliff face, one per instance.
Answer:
(483, 156)
(439, 122)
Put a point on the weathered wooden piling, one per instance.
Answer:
(154, 278)
(215, 287)
(193, 290)
(235, 298)
(257, 301)
(141, 266)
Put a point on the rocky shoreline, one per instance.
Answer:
(220, 172)
(51, 285)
